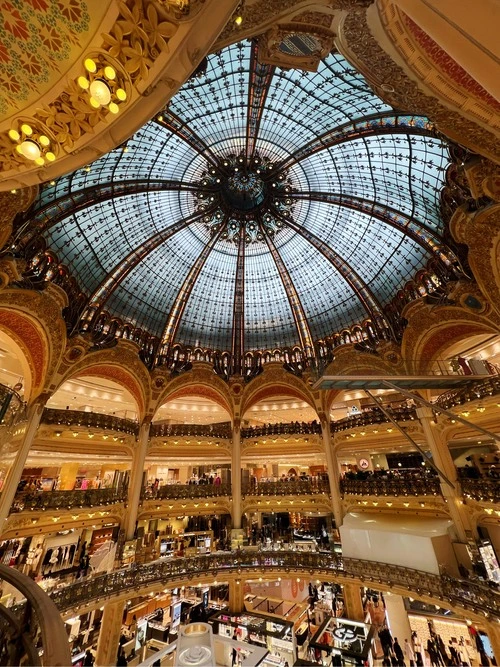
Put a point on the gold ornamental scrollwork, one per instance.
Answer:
(394, 86)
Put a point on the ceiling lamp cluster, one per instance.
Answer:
(32, 144)
(245, 195)
(102, 85)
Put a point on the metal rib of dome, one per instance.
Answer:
(263, 208)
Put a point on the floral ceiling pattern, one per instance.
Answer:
(39, 41)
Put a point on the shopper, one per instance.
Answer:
(89, 659)
(398, 652)
(409, 654)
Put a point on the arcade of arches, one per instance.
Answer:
(249, 332)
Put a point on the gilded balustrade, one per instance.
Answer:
(89, 420)
(221, 431)
(188, 491)
(44, 500)
(34, 622)
(292, 428)
(394, 486)
(474, 391)
(483, 489)
(373, 416)
(476, 597)
(12, 413)
(289, 488)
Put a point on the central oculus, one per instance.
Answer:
(241, 195)
(244, 191)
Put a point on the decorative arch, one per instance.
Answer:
(121, 365)
(32, 320)
(431, 331)
(275, 381)
(200, 382)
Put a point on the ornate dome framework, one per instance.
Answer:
(261, 209)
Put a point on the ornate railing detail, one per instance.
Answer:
(383, 486)
(44, 500)
(37, 619)
(470, 595)
(490, 386)
(294, 428)
(487, 490)
(220, 431)
(188, 491)
(12, 412)
(374, 416)
(89, 420)
(292, 488)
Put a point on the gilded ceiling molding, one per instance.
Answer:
(33, 321)
(434, 329)
(480, 231)
(393, 85)
(436, 69)
(349, 361)
(138, 53)
(263, 15)
(120, 364)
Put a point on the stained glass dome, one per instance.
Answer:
(262, 208)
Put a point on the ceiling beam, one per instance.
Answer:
(68, 204)
(388, 122)
(260, 77)
(427, 238)
(299, 315)
(238, 332)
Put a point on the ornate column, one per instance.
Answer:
(353, 603)
(236, 475)
(136, 475)
(333, 467)
(14, 475)
(493, 632)
(444, 461)
(236, 596)
(109, 635)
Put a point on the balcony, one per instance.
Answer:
(221, 431)
(293, 428)
(189, 491)
(36, 622)
(12, 412)
(374, 416)
(477, 597)
(291, 488)
(482, 489)
(45, 500)
(406, 484)
(475, 390)
(87, 420)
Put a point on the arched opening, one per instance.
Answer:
(88, 393)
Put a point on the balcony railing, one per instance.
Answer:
(374, 416)
(221, 431)
(487, 490)
(12, 411)
(293, 488)
(38, 618)
(391, 486)
(188, 491)
(490, 386)
(293, 428)
(44, 500)
(79, 418)
(476, 597)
